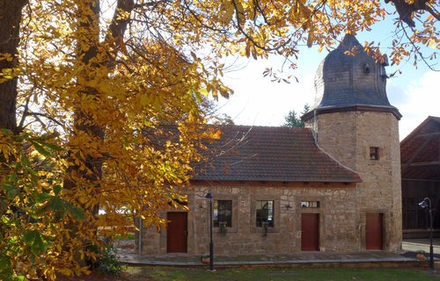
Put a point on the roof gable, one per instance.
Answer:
(420, 151)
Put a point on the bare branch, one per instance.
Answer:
(248, 37)
(37, 114)
(432, 12)
(221, 31)
(417, 50)
(25, 113)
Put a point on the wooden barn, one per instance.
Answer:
(420, 158)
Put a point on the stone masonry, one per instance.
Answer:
(348, 136)
(338, 231)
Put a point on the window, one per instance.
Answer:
(309, 204)
(367, 68)
(265, 212)
(374, 153)
(223, 212)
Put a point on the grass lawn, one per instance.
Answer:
(236, 274)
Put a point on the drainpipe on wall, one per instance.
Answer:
(140, 236)
(315, 126)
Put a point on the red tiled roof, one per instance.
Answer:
(245, 153)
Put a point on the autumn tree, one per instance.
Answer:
(96, 83)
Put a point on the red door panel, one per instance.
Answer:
(176, 232)
(374, 231)
(310, 232)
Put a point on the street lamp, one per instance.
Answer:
(211, 243)
(426, 203)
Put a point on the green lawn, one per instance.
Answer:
(294, 274)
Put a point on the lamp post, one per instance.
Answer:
(426, 203)
(211, 243)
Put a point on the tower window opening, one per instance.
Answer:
(367, 68)
(374, 153)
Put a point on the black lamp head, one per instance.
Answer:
(208, 195)
(423, 204)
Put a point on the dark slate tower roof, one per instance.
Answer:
(348, 82)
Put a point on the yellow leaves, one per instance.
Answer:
(6, 56)
(144, 100)
(225, 91)
(5, 150)
(248, 49)
(123, 15)
(432, 44)
(204, 92)
(7, 74)
(304, 13)
(245, 5)
(216, 135)
(227, 11)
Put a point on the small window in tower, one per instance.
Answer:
(367, 68)
(374, 153)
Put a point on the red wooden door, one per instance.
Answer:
(310, 232)
(176, 232)
(374, 231)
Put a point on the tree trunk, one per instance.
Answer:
(10, 16)
(83, 121)
(87, 50)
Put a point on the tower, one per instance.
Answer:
(354, 122)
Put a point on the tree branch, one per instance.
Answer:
(36, 114)
(25, 113)
(418, 51)
(118, 26)
(432, 12)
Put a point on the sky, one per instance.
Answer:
(259, 102)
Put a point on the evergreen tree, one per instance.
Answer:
(294, 121)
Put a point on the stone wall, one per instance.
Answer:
(348, 136)
(338, 230)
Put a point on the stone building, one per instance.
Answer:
(420, 152)
(332, 186)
